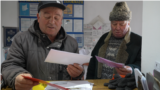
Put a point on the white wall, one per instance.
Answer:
(151, 35)
(9, 17)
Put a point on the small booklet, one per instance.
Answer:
(109, 62)
(150, 80)
(156, 74)
(140, 87)
(156, 85)
(141, 81)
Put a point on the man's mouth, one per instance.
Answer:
(51, 27)
(117, 32)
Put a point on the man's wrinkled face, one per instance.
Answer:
(119, 28)
(50, 20)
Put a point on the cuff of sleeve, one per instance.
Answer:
(13, 80)
(79, 77)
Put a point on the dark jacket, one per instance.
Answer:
(28, 52)
(129, 53)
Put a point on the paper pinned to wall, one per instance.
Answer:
(98, 24)
(93, 31)
(78, 10)
(67, 25)
(98, 18)
(25, 24)
(78, 25)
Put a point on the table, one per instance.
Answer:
(98, 85)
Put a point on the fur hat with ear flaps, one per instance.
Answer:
(120, 12)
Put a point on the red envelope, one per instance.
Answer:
(44, 82)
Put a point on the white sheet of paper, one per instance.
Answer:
(25, 24)
(33, 9)
(72, 85)
(98, 24)
(67, 23)
(78, 11)
(87, 39)
(66, 58)
(77, 25)
(24, 7)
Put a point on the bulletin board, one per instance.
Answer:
(73, 17)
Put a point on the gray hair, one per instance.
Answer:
(39, 13)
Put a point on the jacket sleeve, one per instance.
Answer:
(15, 62)
(137, 62)
(91, 68)
(135, 52)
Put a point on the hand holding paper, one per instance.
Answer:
(124, 71)
(110, 63)
(74, 70)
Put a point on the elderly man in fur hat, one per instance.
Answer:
(119, 45)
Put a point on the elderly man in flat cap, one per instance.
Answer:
(30, 48)
(119, 45)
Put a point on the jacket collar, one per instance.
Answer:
(126, 38)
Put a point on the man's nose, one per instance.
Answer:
(52, 20)
(118, 26)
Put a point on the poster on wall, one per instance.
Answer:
(9, 32)
(25, 23)
(78, 23)
(67, 24)
(68, 12)
(27, 14)
(28, 9)
(78, 11)
(24, 9)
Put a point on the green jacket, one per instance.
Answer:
(129, 53)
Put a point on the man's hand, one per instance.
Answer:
(24, 84)
(124, 71)
(74, 70)
(86, 64)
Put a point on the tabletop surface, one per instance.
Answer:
(98, 85)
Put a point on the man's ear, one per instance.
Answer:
(129, 23)
(38, 17)
(61, 20)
